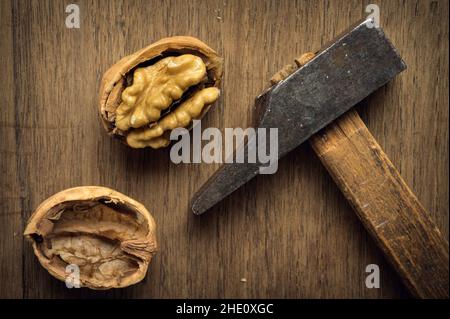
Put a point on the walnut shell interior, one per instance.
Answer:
(107, 235)
(166, 85)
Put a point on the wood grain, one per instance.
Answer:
(12, 198)
(291, 234)
(385, 205)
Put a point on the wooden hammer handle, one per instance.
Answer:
(385, 205)
(383, 202)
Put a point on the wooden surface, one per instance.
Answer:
(385, 205)
(291, 234)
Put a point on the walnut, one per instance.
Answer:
(166, 85)
(109, 236)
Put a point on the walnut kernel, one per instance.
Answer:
(153, 91)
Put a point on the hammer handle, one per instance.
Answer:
(386, 206)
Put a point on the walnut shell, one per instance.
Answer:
(109, 236)
(122, 75)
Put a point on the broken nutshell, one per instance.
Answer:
(107, 235)
(164, 86)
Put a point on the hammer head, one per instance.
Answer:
(356, 64)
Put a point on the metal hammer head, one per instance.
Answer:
(353, 66)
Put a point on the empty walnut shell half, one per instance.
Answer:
(166, 85)
(107, 235)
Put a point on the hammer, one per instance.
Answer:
(313, 102)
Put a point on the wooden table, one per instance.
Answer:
(289, 235)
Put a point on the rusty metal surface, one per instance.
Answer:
(356, 64)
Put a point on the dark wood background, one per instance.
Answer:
(291, 234)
